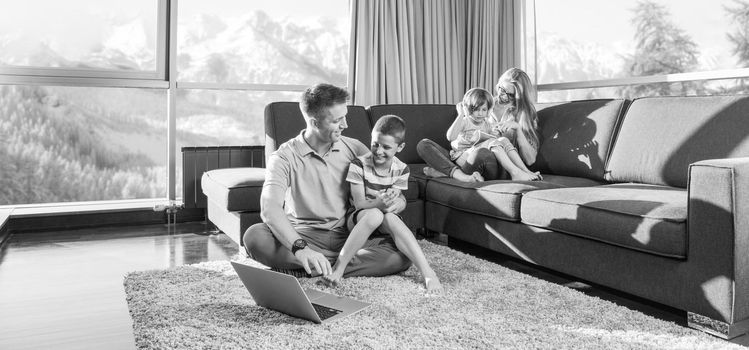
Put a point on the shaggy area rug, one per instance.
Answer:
(205, 306)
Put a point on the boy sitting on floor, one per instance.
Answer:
(376, 178)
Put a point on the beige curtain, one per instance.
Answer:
(429, 51)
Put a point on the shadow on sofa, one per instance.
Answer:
(569, 139)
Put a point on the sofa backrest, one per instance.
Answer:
(660, 136)
(576, 136)
(284, 121)
(423, 121)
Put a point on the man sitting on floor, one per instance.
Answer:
(305, 197)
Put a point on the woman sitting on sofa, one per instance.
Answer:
(518, 122)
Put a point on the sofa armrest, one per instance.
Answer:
(718, 231)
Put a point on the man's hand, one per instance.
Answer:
(311, 259)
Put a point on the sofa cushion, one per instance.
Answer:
(498, 198)
(576, 136)
(649, 218)
(284, 121)
(235, 189)
(423, 121)
(660, 136)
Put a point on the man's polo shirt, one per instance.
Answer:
(315, 185)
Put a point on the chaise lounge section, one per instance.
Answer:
(649, 196)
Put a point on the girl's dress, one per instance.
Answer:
(470, 137)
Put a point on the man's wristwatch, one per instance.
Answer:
(298, 245)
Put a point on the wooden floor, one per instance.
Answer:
(63, 289)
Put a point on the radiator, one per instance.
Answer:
(197, 160)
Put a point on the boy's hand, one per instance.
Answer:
(395, 205)
(379, 201)
(384, 200)
(391, 200)
(390, 193)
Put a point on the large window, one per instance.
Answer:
(235, 57)
(85, 87)
(588, 48)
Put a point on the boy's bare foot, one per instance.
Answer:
(433, 173)
(460, 175)
(433, 285)
(538, 175)
(333, 279)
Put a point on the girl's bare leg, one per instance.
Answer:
(515, 158)
(516, 173)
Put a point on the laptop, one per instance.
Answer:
(283, 293)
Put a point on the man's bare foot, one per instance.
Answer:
(538, 175)
(433, 285)
(432, 173)
(460, 175)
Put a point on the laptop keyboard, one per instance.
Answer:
(325, 312)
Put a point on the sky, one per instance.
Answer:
(71, 27)
(68, 24)
(608, 22)
(274, 8)
(74, 27)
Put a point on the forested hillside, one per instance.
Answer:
(52, 152)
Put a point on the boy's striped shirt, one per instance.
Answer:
(362, 171)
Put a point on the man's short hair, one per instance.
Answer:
(392, 125)
(317, 99)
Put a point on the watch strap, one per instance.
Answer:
(299, 244)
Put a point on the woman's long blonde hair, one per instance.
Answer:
(522, 110)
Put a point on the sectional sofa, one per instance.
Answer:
(649, 197)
